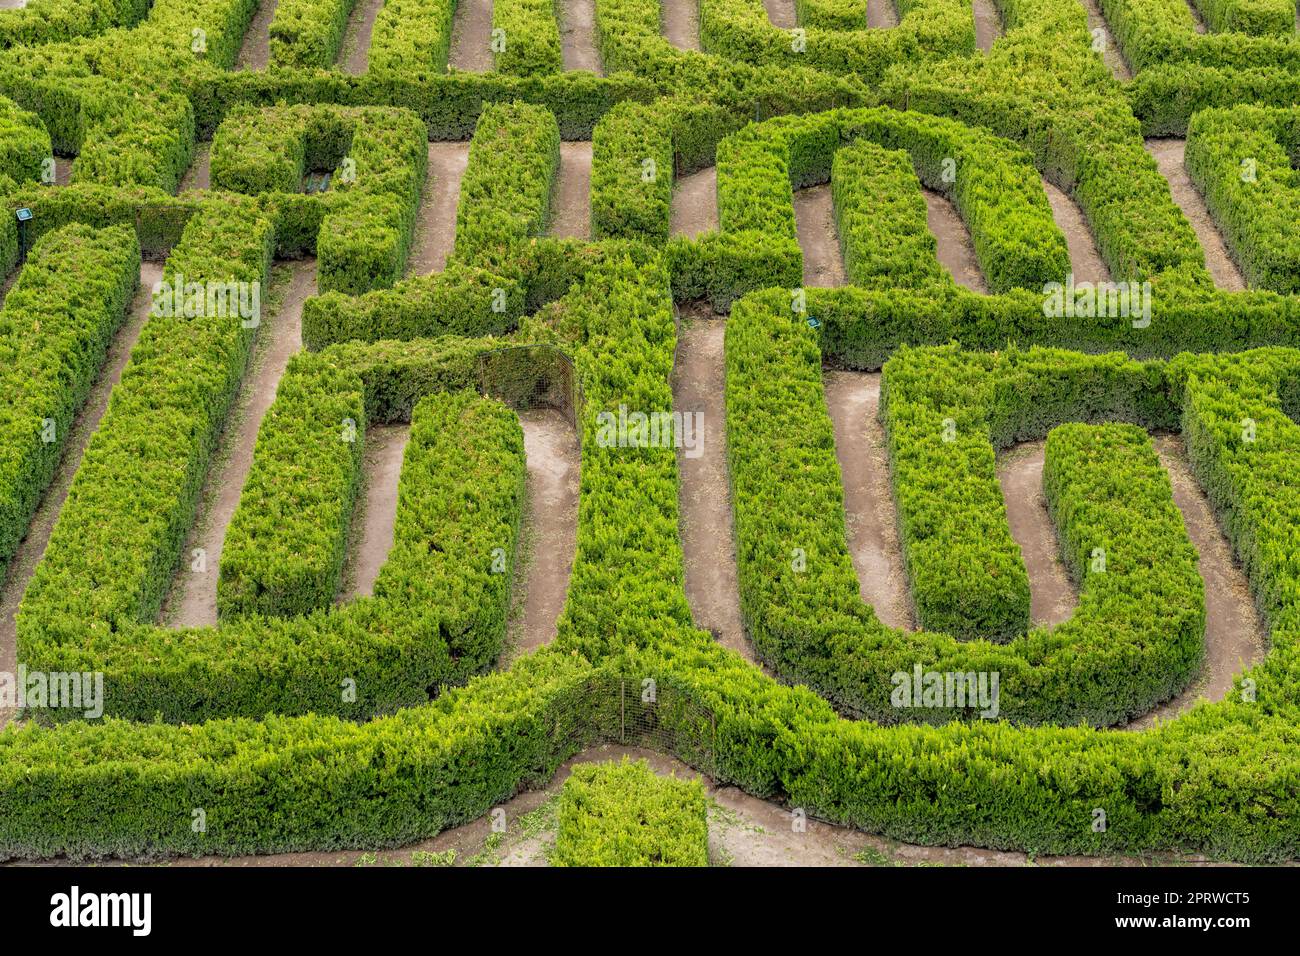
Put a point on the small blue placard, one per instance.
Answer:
(24, 214)
(814, 323)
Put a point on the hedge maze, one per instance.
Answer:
(296, 720)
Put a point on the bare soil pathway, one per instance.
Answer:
(255, 54)
(954, 247)
(192, 601)
(578, 47)
(695, 203)
(471, 36)
(1168, 154)
(375, 519)
(1085, 257)
(354, 52)
(435, 223)
(571, 196)
(680, 20)
(1052, 595)
(814, 216)
(704, 489)
(1235, 637)
(550, 528)
(870, 514)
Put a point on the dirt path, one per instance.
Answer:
(255, 54)
(375, 518)
(988, 24)
(704, 492)
(1235, 637)
(743, 831)
(578, 46)
(549, 538)
(680, 20)
(881, 14)
(192, 601)
(1110, 52)
(1198, 21)
(199, 175)
(62, 170)
(814, 216)
(695, 203)
(1085, 258)
(435, 223)
(1052, 596)
(953, 243)
(354, 52)
(781, 14)
(571, 196)
(1168, 154)
(471, 36)
(23, 564)
(870, 516)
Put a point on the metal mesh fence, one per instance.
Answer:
(650, 713)
(533, 376)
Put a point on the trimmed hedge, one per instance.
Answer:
(993, 184)
(881, 219)
(505, 194)
(460, 300)
(623, 814)
(927, 29)
(24, 143)
(1240, 160)
(632, 174)
(531, 31)
(1134, 639)
(308, 33)
(365, 219)
(411, 37)
(55, 328)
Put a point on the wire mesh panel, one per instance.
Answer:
(647, 712)
(532, 376)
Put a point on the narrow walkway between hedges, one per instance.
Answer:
(1085, 258)
(578, 49)
(1110, 52)
(695, 203)
(1052, 595)
(571, 196)
(881, 14)
(814, 217)
(199, 175)
(704, 486)
(680, 21)
(255, 53)
(988, 24)
(471, 36)
(1235, 636)
(192, 600)
(870, 514)
(781, 13)
(354, 52)
(1168, 154)
(953, 243)
(435, 221)
(375, 519)
(549, 534)
(23, 564)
